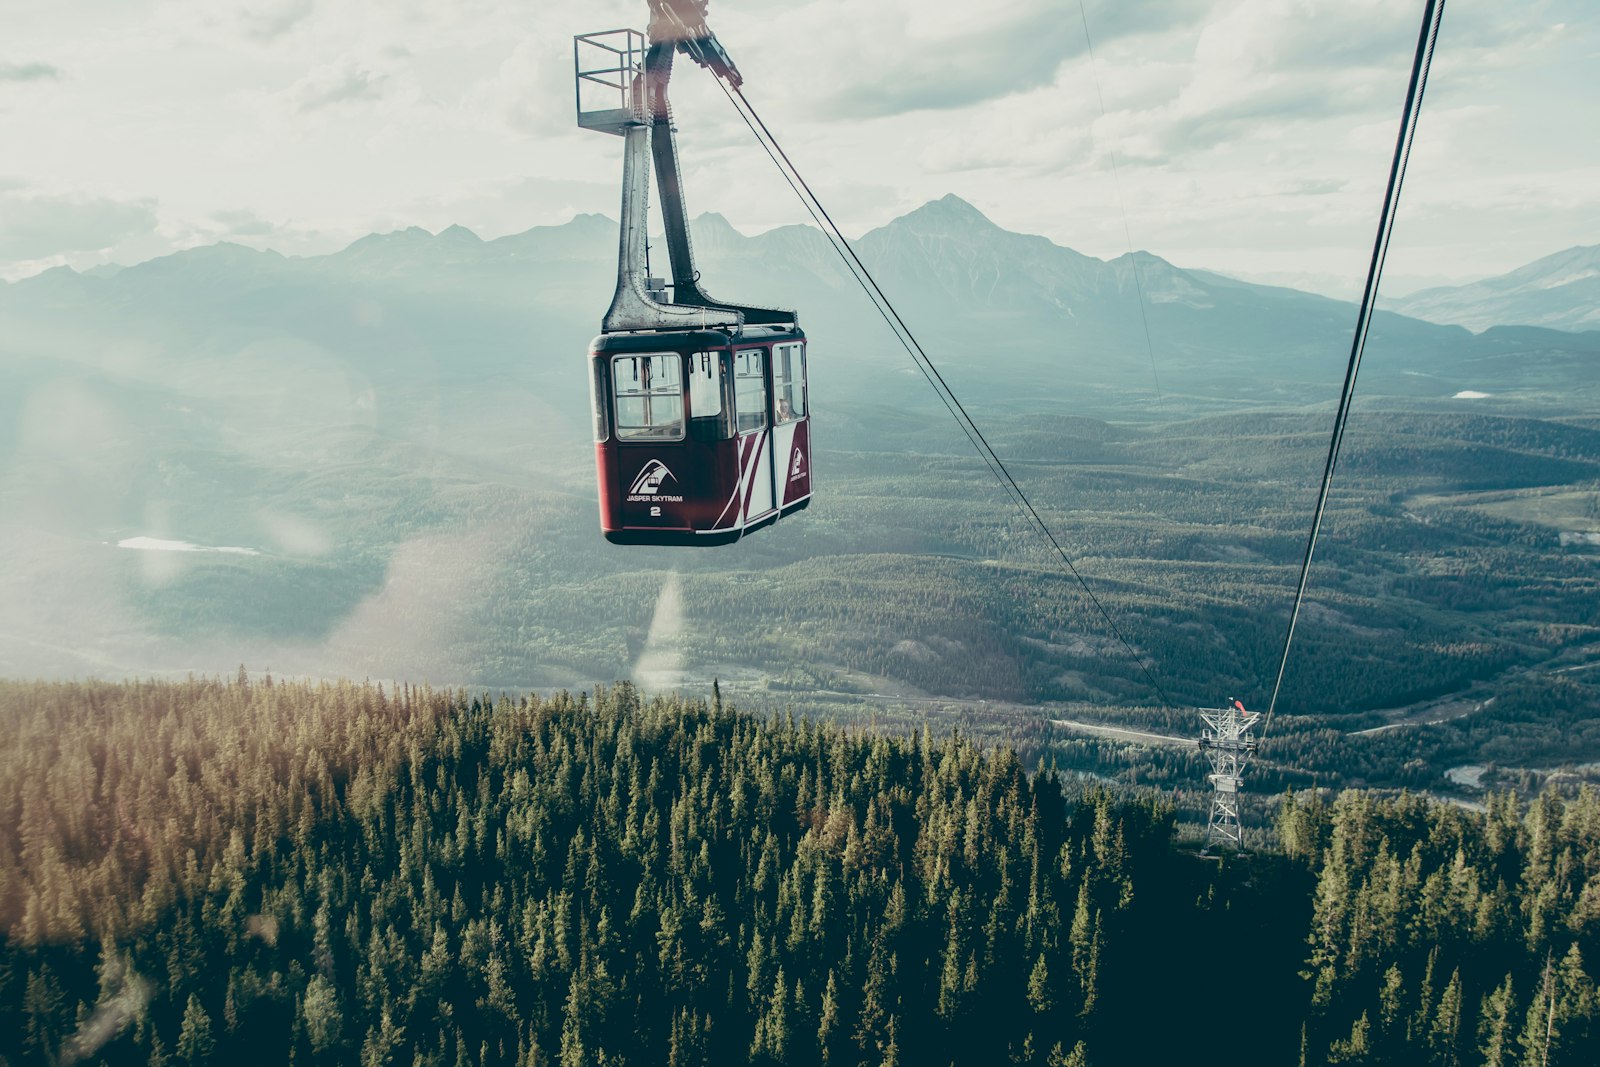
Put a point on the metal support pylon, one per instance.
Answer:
(1227, 743)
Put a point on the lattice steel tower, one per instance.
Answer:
(1226, 741)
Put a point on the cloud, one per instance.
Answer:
(112, 1014)
(900, 56)
(28, 72)
(36, 227)
(411, 626)
(1002, 105)
(244, 28)
(330, 86)
(1249, 71)
(1033, 132)
(519, 92)
(1311, 187)
(1279, 61)
(1259, 66)
(661, 663)
(1115, 20)
(1500, 34)
(265, 23)
(241, 223)
(494, 208)
(234, 226)
(911, 65)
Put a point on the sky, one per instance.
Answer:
(1247, 136)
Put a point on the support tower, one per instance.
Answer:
(1227, 743)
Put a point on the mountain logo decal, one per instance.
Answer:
(647, 485)
(798, 467)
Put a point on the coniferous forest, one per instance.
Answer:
(251, 871)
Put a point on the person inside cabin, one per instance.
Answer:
(785, 413)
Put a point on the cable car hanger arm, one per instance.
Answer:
(683, 23)
(679, 26)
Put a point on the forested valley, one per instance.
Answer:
(259, 871)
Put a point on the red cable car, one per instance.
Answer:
(701, 412)
(703, 436)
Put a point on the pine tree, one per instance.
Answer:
(872, 1022)
(1422, 1016)
(1579, 1004)
(1494, 1026)
(771, 1042)
(195, 1041)
(573, 1053)
(1443, 1035)
(891, 1051)
(320, 1012)
(1355, 1048)
(1390, 1009)
(1081, 937)
(158, 1052)
(1540, 1037)
(382, 1041)
(1039, 987)
(828, 1020)
(43, 1003)
(1298, 822)
(1078, 1057)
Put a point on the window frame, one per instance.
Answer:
(765, 353)
(681, 393)
(803, 410)
(600, 389)
(725, 426)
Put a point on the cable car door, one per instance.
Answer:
(755, 455)
(791, 438)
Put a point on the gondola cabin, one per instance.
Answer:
(701, 436)
(701, 417)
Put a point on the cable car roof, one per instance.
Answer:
(673, 340)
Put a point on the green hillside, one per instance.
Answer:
(270, 872)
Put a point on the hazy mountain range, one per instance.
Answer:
(1561, 291)
(411, 303)
(330, 411)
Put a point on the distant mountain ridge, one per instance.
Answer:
(946, 246)
(971, 289)
(1560, 291)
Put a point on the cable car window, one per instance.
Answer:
(789, 381)
(649, 397)
(750, 388)
(597, 399)
(710, 416)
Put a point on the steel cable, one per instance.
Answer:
(919, 356)
(1428, 37)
